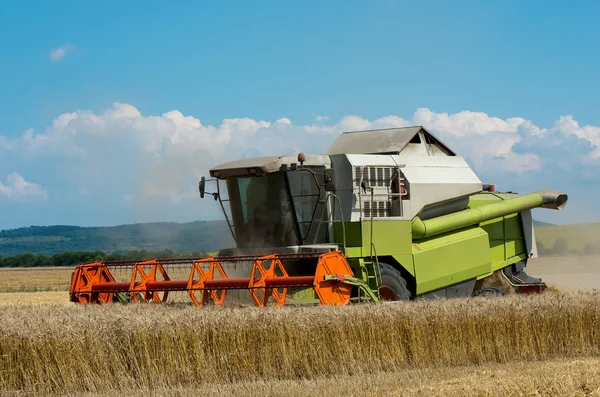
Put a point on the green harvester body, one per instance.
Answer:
(396, 199)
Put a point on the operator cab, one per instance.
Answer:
(273, 202)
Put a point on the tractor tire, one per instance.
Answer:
(490, 291)
(393, 285)
(496, 282)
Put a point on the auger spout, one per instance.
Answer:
(549, 199)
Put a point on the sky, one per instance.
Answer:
(112, 111)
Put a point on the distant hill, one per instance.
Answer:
(178, 237)
(582, 238)
(541, 224)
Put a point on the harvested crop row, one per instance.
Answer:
(91, 348)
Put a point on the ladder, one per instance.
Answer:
(371, 272)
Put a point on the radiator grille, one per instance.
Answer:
(381, 209)
(375, 176)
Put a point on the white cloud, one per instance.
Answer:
(354, 123)
(465, 123)
(57, 54)
(320, 118)
(5, 143)
(137, 159)
(284, 120)
(566, 125)
(487, 141)
(17, 188)
(390, 122)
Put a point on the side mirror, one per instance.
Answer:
(201, 186)
(330, 180)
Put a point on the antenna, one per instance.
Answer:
(287, 154)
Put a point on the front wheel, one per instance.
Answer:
(393, 285)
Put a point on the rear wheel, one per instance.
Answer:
(393, 285)
(495, 285)
(490, 291)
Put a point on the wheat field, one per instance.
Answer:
(520, 345)
(71, 349)
(35, 279)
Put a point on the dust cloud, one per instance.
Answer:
(572, 272)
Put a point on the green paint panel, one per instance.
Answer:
(353, 252)
(407, 262)
(513, 227)
(391, 238)
(497, 253)
(353, 236)
(494, 228)
(506, 240)
(451, 258)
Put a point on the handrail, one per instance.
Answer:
(225, 212)
(387, 194)
(329, 194)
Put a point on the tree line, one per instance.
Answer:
(77, 257)
(179, 237)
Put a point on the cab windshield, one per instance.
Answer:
(275, 210)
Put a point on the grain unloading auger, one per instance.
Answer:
(382, 215)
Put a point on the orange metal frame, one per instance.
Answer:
(194, 286)
(139, 287)
(84, 279)
(94, 282)
(258, 286)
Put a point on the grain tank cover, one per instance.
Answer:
(408, 140)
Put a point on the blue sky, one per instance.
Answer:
(111, 110)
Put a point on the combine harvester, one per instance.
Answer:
(382, 215)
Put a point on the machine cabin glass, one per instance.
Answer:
(275, 210)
